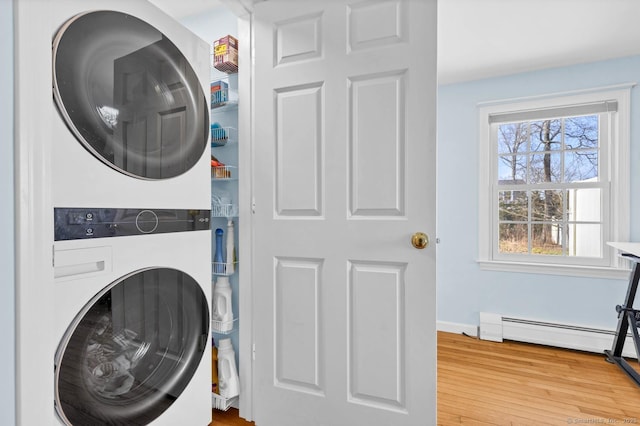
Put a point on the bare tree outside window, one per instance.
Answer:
(540, 164)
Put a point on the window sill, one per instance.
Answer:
(551, 269)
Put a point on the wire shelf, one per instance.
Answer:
(221, 403)
(224, 269)
(224, 173)
(224, 210)
(221, 136)
(223, 327)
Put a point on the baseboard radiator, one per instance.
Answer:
(497, 328)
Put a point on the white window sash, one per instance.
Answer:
(614, 178)
(555, 112)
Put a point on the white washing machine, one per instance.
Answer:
(131, 198)
(132, 319)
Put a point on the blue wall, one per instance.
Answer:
(463, 289)
(7, 291)
(212, 25)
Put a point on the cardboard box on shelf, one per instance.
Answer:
(225, 54)
(219, 93)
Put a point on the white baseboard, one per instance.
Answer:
(549, 334)
(561, 336)
(457, 328)
(569, 336)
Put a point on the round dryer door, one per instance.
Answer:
(129, 95)
(132, 350)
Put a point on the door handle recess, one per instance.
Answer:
(420, 240)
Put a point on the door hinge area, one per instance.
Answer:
(253, 351)
(253, 205)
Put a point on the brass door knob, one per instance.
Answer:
(420, 240)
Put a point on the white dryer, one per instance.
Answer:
(131, 205)
(131, 116)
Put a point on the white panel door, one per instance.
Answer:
(344, 154)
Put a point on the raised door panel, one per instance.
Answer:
(376, 313)
(299, 150)
(377, 145)
(298, 346)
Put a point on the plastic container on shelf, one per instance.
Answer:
(229, 383)
(218, 257)
(230, 248)
(222, 308)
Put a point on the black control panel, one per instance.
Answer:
(88, 223)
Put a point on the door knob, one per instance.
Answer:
(420, 240)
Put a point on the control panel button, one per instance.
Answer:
(146, 221)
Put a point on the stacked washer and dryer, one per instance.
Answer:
(131, 195)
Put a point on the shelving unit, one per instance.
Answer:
(224, 196)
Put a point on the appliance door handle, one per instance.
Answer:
(81, 262)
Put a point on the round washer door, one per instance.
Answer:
(132, 350)
(129, 95)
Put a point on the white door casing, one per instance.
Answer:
(344, 174)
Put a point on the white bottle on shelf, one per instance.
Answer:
(229, 384)
(222, 309)
(231, 251)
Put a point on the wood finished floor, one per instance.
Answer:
(487, 383)
(228, 418)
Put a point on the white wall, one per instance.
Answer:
(463, 289)
(7, 293)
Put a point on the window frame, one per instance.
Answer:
(615, 177)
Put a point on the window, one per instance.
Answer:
(554, 179)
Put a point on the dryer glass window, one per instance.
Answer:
(133, 349)
(129, 95)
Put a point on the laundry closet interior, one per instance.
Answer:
(219, 27)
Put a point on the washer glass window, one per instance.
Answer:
(133, 349)
(129, 95)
